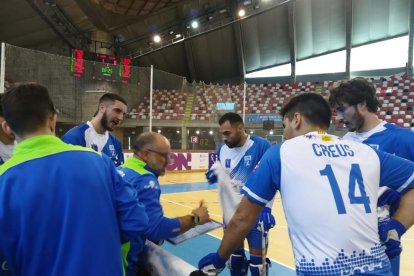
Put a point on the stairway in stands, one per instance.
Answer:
(188, 107)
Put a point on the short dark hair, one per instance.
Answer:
(312, 106)
(353, 92)
(143, 141)
(26, 107)
(111, 97)
(232, 117)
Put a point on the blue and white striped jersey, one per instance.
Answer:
(387, 137)
(85, 135)
(238, 163)
(329, 189)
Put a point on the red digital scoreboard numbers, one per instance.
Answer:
(126, 69)
(77, 65)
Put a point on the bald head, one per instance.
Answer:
(150, 140)
(154, 149)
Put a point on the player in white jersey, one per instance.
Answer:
(329, 189)
(96, 134)
(356, 105)
(237, 157)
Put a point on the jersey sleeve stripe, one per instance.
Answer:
(252, 195)
(406, 184)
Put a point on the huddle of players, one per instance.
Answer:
(283, 167)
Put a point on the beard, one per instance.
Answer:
(358, 122)
(105, 123)
(233, 144)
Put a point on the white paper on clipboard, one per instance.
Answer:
(196, 231)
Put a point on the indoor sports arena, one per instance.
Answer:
(178, 67)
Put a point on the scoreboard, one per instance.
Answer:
(104, 67)
(110, 68)
(77, 62)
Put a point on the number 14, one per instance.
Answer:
(355, 177)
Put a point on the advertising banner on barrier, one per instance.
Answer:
(185, 161)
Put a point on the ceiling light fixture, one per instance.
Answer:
(194, 24)
(156, 38)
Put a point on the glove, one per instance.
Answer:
(391, 198)
(390, 232)
(212, 264)
(211, 177)
(267, 218)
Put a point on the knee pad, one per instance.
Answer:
(256, 239)
(237, 263)
(256, 265)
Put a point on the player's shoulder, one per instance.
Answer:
(114, 139)
(145, 181)
(76, 130)
(392, 129)
(396, 135)
(260, 140)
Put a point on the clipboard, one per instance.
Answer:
(196, 231)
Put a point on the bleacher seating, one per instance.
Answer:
(167, 105)
(395, 95)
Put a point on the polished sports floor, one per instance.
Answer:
(182, 191)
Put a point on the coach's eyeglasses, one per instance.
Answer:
(165, 155)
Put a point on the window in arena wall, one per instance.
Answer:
(277, 71)
(391, 53)
(330, 63)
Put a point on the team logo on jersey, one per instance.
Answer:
(309, 136)
(151, 185)
(227, 163)
(326, 138)
(112, 149)
(247, 161)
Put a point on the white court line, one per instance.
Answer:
(273, 260)
(190, 207)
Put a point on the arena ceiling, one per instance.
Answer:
(224, 47)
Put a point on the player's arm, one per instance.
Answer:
(132, 218)
(397, 173)
(171, 227)
(240, 224)
(404, 213)
(198, 216)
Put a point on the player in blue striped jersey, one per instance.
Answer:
(237, 157)
(96, 133)
(329, 189)
(356, 105)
